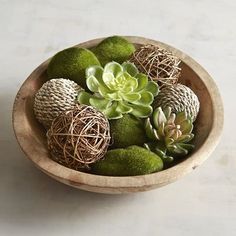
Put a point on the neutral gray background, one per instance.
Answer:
(202, 203)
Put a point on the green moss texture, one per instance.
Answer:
(113, 48)
(71, 64)
(127, 131)
(131, 161)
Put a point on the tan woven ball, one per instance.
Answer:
(179, 97)
(54, 97)
(79, 137)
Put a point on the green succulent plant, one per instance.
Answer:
(169, 133)
(119, 89)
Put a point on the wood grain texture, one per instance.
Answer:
(208, 127)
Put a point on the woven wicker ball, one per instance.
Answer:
(79, 137)
(159, 64)
(54, 97)
(179, 97)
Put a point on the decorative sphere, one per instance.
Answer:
(113, 48)
(79, 137)
(127, 131)
(71, 63)
(179, 98)
(157, 63)
(54, 97)
(130, 161)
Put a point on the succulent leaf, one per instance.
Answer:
(130, 68)
(119, 89)
(113, 68)
(99, 102)
(84, 97)
(112, 111)
(142, 82)
(150, 132)
(153, 88)
(146, 98)
(93, 84)
(173, 132)
(141, 111)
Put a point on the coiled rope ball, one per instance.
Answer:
(159, 64)
(180, 98)
(54, 97)
(79, 137)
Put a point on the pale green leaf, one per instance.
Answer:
(180, 117)
(123, 108)
(167, 112)
(83, 98)
(112, 113)
(146, 98)
(131, 97)
(130, 81)
(103, 91)
(142, 81)
(185, 138)
(113, 68)
(95, 71)
(150, 130)
(130, 68)
(114, 96)
(141, 111)
(187, 146)
(100, 103)
(109, 80)
(186, 126)
(152, 87)
(158, 117)
(92, 84)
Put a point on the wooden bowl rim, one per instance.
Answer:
(76, 178)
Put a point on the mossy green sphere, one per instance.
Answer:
(71, 64)
(127, 131)
(113, 48)
(131, 161)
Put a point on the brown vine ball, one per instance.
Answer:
(79, 137)
(157, 63)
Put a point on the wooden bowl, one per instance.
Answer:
(31, 135)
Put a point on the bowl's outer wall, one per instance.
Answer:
(32, 139)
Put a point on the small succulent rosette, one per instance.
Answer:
(119, 89)
(169, 133)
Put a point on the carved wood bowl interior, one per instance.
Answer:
(31, 135)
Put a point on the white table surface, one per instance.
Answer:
(202, 203)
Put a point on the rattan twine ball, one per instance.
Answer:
(54, 97)
(79, 137)
(159, 64)
(179, 97)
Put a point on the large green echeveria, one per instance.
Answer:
(119, 89)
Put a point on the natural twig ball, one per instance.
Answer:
(79, 137)
(159, 64)
(54, 97)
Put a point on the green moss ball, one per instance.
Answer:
(71, 64)
(127, 131)
(114, 48)
(131, 161)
